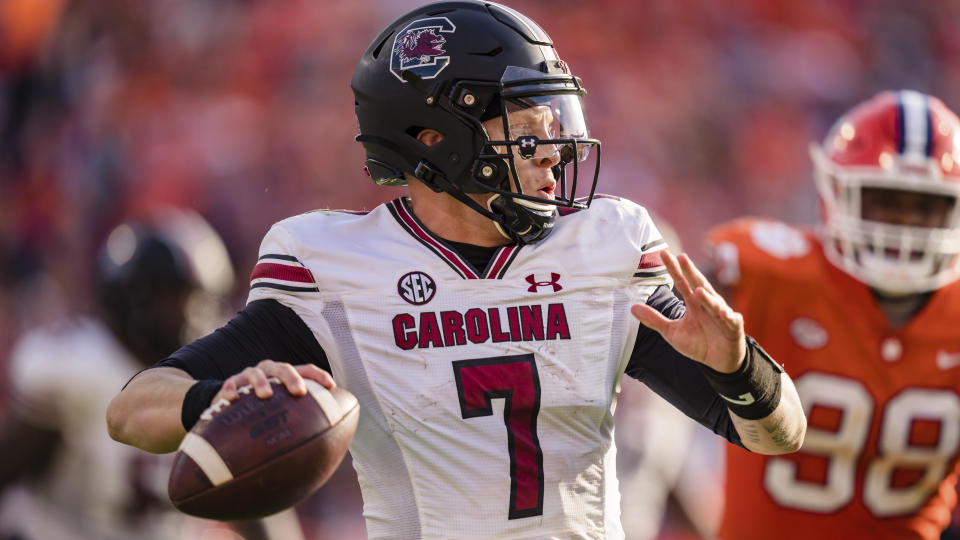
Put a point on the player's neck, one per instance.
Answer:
(900, 309)
(452, 220)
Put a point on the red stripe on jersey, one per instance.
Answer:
(651, 260)
(426, 237)
(283, 272)
(502, 259)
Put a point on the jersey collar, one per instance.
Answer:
(496, 268)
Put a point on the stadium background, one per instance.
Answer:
(242, 110)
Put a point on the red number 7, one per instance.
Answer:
(514, 379)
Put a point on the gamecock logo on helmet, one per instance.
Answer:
(419, 48)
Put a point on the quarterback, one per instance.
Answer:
(865, 315)
(483, 322)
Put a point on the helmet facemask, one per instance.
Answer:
(893, 258)
(535, 132)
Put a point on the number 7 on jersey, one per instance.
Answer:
(514, 379)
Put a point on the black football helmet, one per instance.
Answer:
(159, 280)
(449, 66)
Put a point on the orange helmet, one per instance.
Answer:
(899, 141)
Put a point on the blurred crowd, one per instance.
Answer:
(242, 110)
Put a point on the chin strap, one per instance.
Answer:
(517, 220)
(497, 223)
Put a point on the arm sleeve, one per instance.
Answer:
(264, 329)
(675, 377)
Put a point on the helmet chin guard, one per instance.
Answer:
(520, 220)
(461, 68)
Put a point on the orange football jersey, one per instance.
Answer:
(882, 404)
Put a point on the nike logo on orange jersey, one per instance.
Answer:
(947, 360)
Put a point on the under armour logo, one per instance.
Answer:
(534, 284)
(528, 146)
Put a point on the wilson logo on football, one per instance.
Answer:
(416, 288)
(419, 48)
(535, 285)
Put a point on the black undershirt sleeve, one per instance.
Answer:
(675, 377)
(264, 329)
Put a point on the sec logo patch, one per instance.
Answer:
(416, 288)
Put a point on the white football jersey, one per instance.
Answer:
(486, 395)
(63, 377)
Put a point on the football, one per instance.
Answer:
(254, 457)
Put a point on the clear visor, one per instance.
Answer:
(544, 109)
(549, 122)
(541, 134)
(541, 127)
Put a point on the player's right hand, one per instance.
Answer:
(258, 377)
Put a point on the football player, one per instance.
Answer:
(482, 322)
(865, 314)
(66, 479)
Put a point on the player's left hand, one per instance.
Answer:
(710, 331)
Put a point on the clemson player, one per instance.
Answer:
(865, 313)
